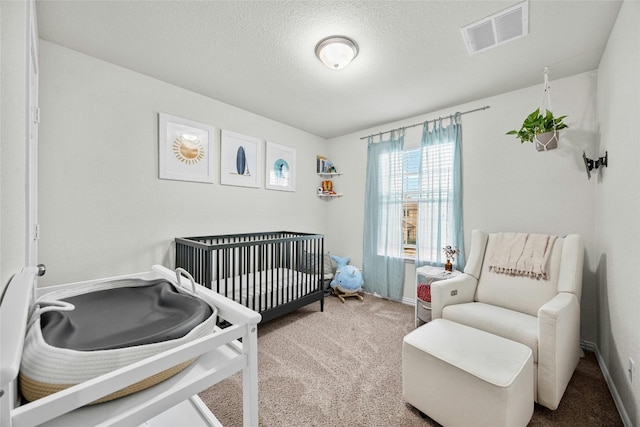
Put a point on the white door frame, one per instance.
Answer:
(33, 118)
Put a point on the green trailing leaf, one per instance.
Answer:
(537, 123)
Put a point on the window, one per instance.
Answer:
(435, 202)
(430, 194)
(413, 198)
(411, 195)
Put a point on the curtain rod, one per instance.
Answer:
(422, 123)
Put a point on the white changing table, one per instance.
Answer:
(169, 403)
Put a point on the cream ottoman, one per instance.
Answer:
(461, 376)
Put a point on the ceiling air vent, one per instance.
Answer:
(506, 25)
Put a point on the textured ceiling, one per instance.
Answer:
(259, 55)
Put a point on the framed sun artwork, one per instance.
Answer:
(185, 149)
(280, 167)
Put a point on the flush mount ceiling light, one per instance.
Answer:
(336, 52)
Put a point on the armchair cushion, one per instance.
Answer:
(520, 293)
(503, 322)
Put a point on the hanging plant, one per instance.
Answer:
(541, 126)
(537, 123)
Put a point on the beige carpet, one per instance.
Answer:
(342, 367)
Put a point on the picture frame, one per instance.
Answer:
(185, 149)
(280, 169)
(240, 159)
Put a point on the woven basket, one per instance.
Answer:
(33, 390)
(46, 369)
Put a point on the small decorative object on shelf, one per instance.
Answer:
(450, 252)
(327, 187)
(325, 166)
(448, 266)
(320, 164)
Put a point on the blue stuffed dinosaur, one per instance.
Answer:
(348, 279)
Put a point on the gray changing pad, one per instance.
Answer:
(124, 317)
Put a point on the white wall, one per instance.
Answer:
(103, 210)
(13, 160)
(618, 207)
(507, 186)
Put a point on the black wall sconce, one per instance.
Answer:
(590, 164)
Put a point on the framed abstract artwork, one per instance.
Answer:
(280, 167)
(240, 159)
(185, 149)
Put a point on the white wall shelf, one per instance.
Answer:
(329, 174)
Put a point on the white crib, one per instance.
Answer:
(169, 403)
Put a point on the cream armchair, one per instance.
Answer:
(542, 314)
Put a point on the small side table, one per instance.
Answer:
(424, 277)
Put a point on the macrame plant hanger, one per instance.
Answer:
(546, 143)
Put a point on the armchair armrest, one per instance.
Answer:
(457, 290)
(558, 347)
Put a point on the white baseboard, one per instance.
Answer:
(589, 346)
(404, 300)
(408, 301)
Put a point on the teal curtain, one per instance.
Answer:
(383, 254)
(440, 200)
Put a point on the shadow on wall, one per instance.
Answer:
(589, 303)
(169, 259)
(582, 133)
(611, 355)
(575, 142)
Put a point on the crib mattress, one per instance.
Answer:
(78, 334)
(265, 289)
